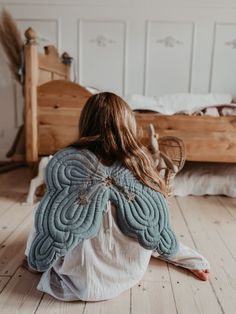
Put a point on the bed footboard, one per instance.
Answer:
(39, 69)
(206, 138)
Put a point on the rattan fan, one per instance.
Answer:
(174, 148)
(169, 155)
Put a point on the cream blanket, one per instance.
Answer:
(178, 103)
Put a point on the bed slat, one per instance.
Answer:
(206, 138)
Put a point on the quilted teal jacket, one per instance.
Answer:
(78, 189)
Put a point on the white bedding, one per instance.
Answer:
(175, 103)
(206, 179)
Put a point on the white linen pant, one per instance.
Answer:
(106, 265)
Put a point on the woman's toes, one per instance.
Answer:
(202, 274)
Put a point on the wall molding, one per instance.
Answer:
(102, 41)
(231, 43)
(212, 58)
(174, 42)
(169, 41)
(213, 51)
(67, 3)
(79, 58)
(185, 4)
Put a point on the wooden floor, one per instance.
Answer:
(207, 224)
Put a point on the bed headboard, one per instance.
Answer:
(42, 95)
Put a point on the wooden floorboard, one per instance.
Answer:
(203, 218)
(154, 294)
(16, 180)
(12, 218)
(157, 271)
(13, 188)
(229, 204)
(151, 297)
(12, 250)
(199, 295)
(118, 305)
(20, 294)
(207, 224)
(3, 281)
(49, 305)
(7, 200)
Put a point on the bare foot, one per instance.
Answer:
(202, 274)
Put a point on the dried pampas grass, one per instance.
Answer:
(12, 43)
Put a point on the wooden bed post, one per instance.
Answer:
(67, 60)
(30, 90)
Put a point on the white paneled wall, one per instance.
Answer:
(102, 54)
(169, 51)
(149, 47)
(223, 69)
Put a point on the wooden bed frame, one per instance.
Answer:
(53, 104)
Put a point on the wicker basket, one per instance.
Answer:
(174, 148)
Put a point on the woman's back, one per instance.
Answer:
(99, 268)
(105, 261)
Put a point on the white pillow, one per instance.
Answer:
(206, 179)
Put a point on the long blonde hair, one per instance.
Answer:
(107, 127)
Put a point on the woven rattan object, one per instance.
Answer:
(172, 147)
(169, 155)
